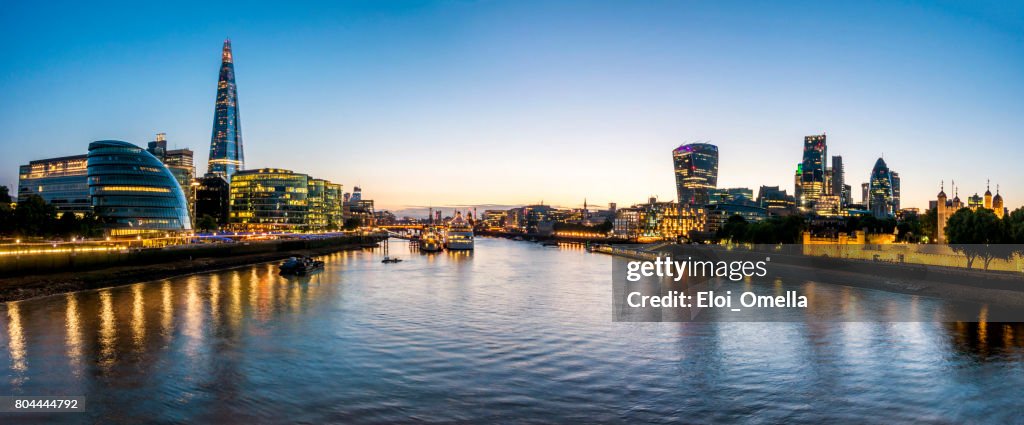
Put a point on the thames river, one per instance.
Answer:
(513, 332)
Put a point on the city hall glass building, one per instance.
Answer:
(269, 199)
(696, 168)
(133, 193)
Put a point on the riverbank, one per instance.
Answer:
(162, 264)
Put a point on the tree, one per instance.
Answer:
(6, 219)
(6, 212)
(734, 229)
(930, 225)
(911, 228)
(977, 234)
(34, 217)
(353, 223)
(207, 223)
(68, 225)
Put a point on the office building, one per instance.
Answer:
(837, 182)
(211, 194)
(268, 199)
(775, 201)
(61, 182)
(179, 161)
(730, 195)
(696, 170)
(133, 193)
(812, 178)
(880, 193)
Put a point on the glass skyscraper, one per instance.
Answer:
(226, 155)
(812, 170)
(880, 200)
(696, 168)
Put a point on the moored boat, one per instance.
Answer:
(430, 240)
(300, 266)
(459, 235)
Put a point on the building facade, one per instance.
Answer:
(178, 161)
(211, 193)
(881, 199)
(133, 193)
(811, 183)
(61, 182)
(775, 201)
(658, 221)
(226, 149)
(696, 171)
(730, 195)
(268, 199)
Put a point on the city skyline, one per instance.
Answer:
(519, 134)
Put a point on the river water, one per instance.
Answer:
(514, 332)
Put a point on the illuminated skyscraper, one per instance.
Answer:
(696, 168)
(226, 156)
(881, 197)
(812, 171)
(838, 181)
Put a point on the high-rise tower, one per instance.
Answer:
(696, 169)
(813, 166)
(226, 156)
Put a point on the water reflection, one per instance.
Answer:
(73, 334)
(108, 331)
(16, 338)
(512, 330)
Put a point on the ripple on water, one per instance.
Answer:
(514, 332)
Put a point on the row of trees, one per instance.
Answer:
(981, 234)
(33, 217)
(775, 230)
(603, 228)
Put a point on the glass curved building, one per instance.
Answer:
(696, 168)
(880, 192)
(269, 199)
(134, 193)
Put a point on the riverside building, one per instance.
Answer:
(273, 199)
(133, 193)
(61, 182)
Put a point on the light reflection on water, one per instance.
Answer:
(512, 331)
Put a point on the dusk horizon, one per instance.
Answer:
(560, 100)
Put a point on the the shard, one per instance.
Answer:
(226, 156)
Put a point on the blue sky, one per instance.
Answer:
(507, 102)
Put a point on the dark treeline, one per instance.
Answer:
(981, 234)
(775, 230)
(602, 228)
(36, 218)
